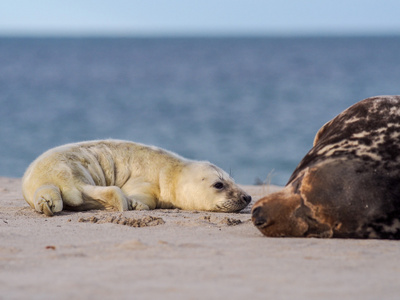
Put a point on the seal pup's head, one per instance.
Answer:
(204, 186)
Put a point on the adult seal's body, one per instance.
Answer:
(348, 185)
(123, 175)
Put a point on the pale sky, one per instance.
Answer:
(202, 17)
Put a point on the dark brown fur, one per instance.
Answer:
(348, 184)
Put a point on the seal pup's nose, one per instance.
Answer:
(258, 219)
(246, 198)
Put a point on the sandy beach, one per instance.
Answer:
(174, 254)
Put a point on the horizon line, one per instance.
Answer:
(94, 34)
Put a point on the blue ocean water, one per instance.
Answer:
(250, 105)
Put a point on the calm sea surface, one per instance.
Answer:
(250, 105)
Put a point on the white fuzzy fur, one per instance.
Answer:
(122, 175)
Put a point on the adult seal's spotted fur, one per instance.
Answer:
(348, 184)
(123, 175)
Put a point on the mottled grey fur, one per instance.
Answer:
(348, 184)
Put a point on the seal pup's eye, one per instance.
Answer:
(218, 185)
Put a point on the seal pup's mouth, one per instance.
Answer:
(235, 204)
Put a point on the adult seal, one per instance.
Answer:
(122, 175)
(348, 184)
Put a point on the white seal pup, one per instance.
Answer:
(122, 175)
